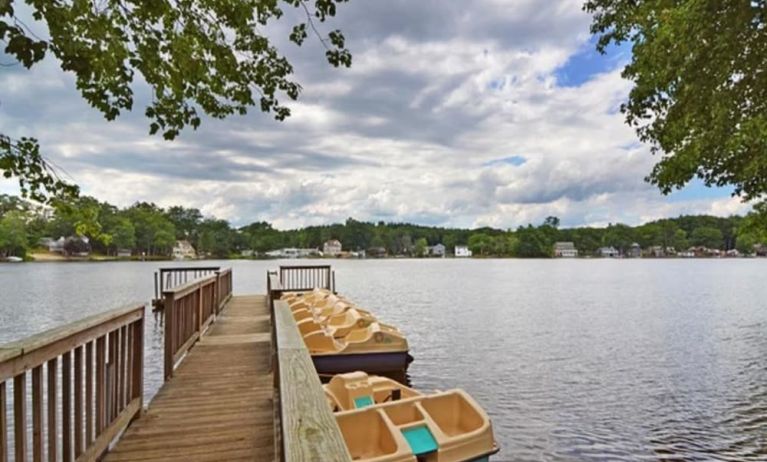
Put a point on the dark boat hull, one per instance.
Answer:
(366, 362)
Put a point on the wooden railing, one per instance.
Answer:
(168, 278)
(188, 310)
(303, 278)
(86, 385)
(224, 287)
(305, 427)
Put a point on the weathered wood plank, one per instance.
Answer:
(100, 384)
(78, 413)
(33, 351)
(308, 428)
(102, 442)
(288, 335)
(20, 415)
(52, 406)
(218, 403)
(66, 406)
(89, 393)
(3, 424)
(37, 414)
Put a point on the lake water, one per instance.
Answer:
(573, 360)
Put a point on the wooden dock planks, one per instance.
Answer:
(219, 403)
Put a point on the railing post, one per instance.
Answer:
(218, 292)
(200, 302)
(137, 378)
(168, 312)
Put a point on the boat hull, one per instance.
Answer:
(366, 362)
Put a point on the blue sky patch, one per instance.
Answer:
(511, 160)
(588, 62)
(697, 190)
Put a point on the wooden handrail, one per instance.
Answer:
(302, 278)
(188, 310)
(307, 427)
(93, 367)
(171, 277)
(224, 287)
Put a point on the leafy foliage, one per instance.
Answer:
(700, 94)
(150, 230)
(37, 179)
(198, 56)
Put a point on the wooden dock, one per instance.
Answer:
(218, 404)
(239, 382)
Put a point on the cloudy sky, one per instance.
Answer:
(468, 113)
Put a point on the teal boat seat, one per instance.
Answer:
(363, 401)
(420, 439)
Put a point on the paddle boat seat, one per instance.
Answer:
(355, 390)
(371, 339)
(443, 427)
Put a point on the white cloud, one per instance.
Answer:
(437, 91)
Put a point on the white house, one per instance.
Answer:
(308, 253)
(608, 252)
(54, 245)
(565, 250)
(437, 250)
(183, 250)
(462, 251)
(292, 252)
(332, 248)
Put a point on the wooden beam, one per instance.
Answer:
(105, 438)
(78, 414)
(66, 406)
(37, 414)
(308, 427)
(52, 407)
(33, 351)
(3, 424)
(20, 415)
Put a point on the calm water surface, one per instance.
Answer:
(573, 360)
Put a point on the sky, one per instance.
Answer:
(467, 114)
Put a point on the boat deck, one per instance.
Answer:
(218, 404)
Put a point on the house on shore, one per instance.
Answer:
(635, 250)
(332, 248)
(292, 252)
(565, 250)
(376, 252)
(462, 251)
(183, 250)
(608, 252)
(438, 250)
(53, 245)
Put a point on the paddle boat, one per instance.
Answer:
(374, 348)
(384, 421)
(342, 337)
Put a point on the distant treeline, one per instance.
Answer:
(145, 228)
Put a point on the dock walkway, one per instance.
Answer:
(219, 403)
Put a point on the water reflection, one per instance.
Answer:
(574, 360)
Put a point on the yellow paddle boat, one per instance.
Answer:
(384, 421)
(341, 337)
